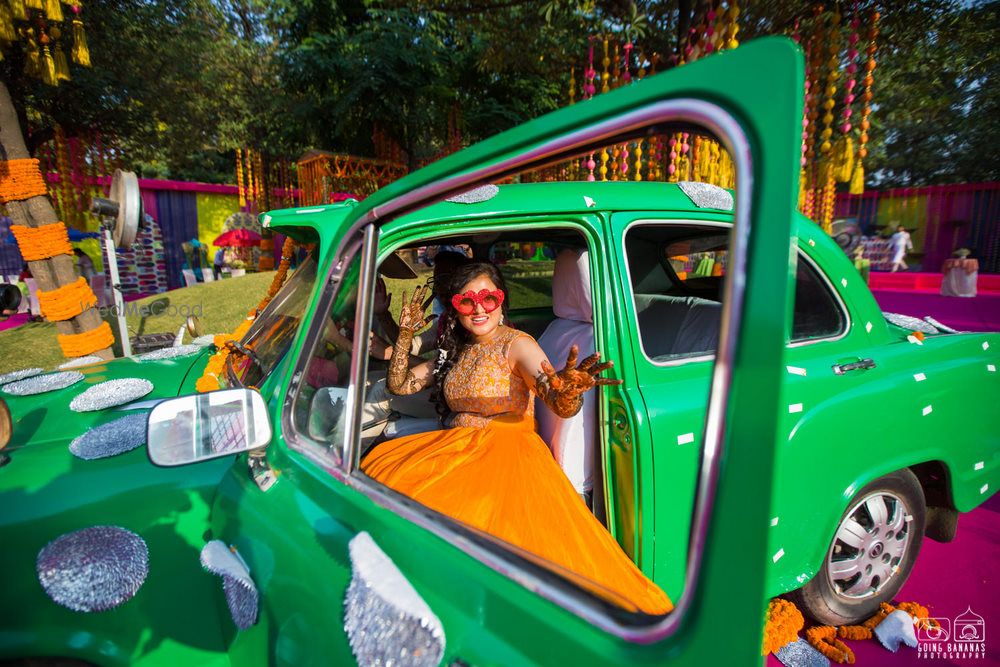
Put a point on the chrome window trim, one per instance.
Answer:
(723, 125)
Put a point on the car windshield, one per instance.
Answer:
(273, 331)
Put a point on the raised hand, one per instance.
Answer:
(411, 317)
(382, 298)
(562, 391)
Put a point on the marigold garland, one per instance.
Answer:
(20, 180)
(66, 302)
(88, 342)
(784, 620)
(38, 243)
(824, 639)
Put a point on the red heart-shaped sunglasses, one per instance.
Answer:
(465, 304)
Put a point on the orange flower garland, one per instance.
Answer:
(824, 639)
(38, 243)
(88, 342)
(784, 620)
(66, 302)
(20, 180)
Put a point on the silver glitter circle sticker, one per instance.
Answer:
(93, 569)
(14, 376)
(169, 353)
(706, 195)
(475, 195)
(800, 653)
(240, 591)
(117, 437)
(111, 393)
(39, 384)
(911, 323)
(386, 620)
(80, 361)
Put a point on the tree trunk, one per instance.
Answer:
(53, 272)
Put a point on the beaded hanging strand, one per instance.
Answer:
(732, 26)
(239, 178)
(844, 151)
(857, 185)
(605, 63)
(588, 92)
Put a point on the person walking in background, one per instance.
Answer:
(219, 263)
(899, 243)
(84, 264)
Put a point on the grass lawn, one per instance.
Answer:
(220, 305)
(223, 304)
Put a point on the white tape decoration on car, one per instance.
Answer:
(896, 629)
(241, 593)
(685, 438)
(919, 377)
(116, 437)
(927, 410)
(706, 195)
(111, 393)
(774, 521)
(386, 620)
(776, 557)
(39, 384)
(93, 569)
(795, 370)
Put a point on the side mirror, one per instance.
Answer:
(197, 428)
(193, 326)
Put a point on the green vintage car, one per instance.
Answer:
(773, 432)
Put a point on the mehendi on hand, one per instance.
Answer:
(563, 391)
(400, 379)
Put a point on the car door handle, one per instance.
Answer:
(861, 364)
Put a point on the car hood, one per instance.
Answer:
(46, 418)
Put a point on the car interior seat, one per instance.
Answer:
(675, 325)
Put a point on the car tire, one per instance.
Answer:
(863, 567)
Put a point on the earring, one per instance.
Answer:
(501, 319)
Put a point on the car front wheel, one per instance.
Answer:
(873, 550)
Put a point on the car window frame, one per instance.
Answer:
(837, 299)
(790, 343)
(699, 112)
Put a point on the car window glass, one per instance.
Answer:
(817, 313)
(676, 274)
(320, 411)
(274, 329)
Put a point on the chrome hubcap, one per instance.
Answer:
(869, 546)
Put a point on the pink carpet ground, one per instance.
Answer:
(950, 579)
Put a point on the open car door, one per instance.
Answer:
(491, 605)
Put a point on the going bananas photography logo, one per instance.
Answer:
(959, 638)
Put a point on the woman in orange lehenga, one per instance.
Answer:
(490, 469)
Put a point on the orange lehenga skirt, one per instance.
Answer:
(503, 480)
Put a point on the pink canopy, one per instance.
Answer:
(237, 237)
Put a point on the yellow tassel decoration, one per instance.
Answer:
(843, 159)
(80, 52)
(34, 4)
(53, 9)
(858, 179)
(62, 66)
(31, 54)
(18, 10)
(48, 71)
(7, 33)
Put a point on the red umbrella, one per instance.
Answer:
(241, 238)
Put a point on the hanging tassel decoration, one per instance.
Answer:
(843, 159)
(62, 66)
(17, 10)
(53, 9)
(7, 33)
(80, 52)
(34, 4)
(31, 54)
(858, 179)
(48, 67)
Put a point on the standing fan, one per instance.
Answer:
(120, 216)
